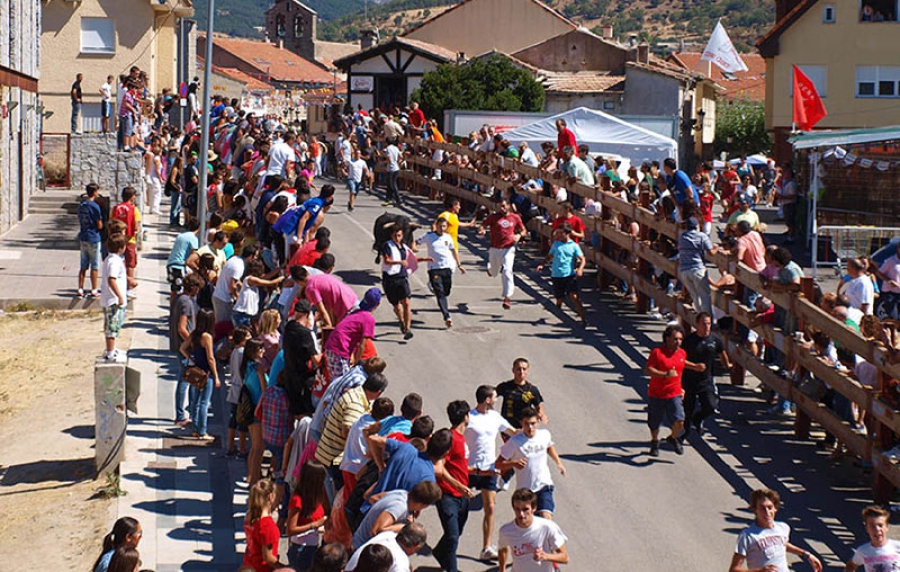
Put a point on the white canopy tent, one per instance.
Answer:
(604, 133)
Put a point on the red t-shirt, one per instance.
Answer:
(577, 225)
(297, 504)
(730, 179)
(263, 532)
(125, 213)
(417, 117)
(457, 464)
(503, 227)
(706, 206)
(565, 139)
(666, 387)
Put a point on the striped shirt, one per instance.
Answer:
(350, 407)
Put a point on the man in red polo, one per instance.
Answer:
(565, 138)
(507, 229)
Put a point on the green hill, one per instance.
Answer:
(654, 20)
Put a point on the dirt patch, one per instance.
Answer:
(47, 485)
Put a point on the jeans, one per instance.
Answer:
(76, 113)
(699, 403)
(334, 481)
(393, 191)
(441, 280)
(90, 255)
(697, 284)
(501, 261)
(300, 556)
(353, 186)
(175, 211)
(453, 512)
(200, 406)
(181, 390)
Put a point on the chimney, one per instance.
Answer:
(461, 58)
(632, 40)
(643, 53)
(280, 43)
(681, 46)
(368, 39)
(607, 31)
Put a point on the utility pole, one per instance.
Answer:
(204, 139)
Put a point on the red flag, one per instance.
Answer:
(808, 106)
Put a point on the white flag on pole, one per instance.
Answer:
(721, 52)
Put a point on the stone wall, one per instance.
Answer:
(93, 159)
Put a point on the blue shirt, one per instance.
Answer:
(89, 215)
(277, 365)
(564, 255)
(680, 185)
(692, 247)
(251, 381)
(395, 424)
(406, 467)
(313, 207)
(185, 243)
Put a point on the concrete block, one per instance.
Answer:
(110, 416)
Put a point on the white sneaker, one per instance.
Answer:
(115, 356)
(489, 553)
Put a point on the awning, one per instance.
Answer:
(830, 138)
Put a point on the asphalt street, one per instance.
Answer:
(620, 508)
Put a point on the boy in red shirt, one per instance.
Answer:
(452, 474)
(664, 395)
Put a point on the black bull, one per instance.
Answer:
(385, 225)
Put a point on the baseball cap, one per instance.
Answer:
(693, 222)
(371, 299)
(743, 199)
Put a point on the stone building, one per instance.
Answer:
(21, 110)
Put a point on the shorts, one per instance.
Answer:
(545, 501)
(396, 288)
(127, 124)
(659, 410)
(175, 277)
(483, 482)
(353, 186)
(130, 255)
(113, 320)
(105, 109)
(240, 319)
(90, 255)
(564, 286)
(232, 421)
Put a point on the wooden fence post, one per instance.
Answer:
(643, 268)
(802, 421)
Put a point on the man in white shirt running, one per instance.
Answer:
(357, 172)
(485, 424)
(442, 259)
(531, 543)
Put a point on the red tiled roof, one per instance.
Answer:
(750, 84)
(582, 82)
(279, 64)
(237, 75)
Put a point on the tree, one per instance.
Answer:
(488, 84)
(741, 128)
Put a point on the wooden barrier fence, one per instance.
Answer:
(886, 419)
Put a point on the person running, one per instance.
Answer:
(452, 475)
(451, 215)
(395, 257)
(665, 366)
(531, 543)
(527, 452)
(881, 552)
(90, 221)
(481, 438)
(518, 394)
(764, 544)
(443, 259)
(568, 266)
(357, 172)
(507, 229)
(700, 394)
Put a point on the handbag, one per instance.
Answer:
(196, 377)
(243, 412)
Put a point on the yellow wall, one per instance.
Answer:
(479, 26)
(136, 45)
(841, 46)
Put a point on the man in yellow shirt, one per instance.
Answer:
(453, 224)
